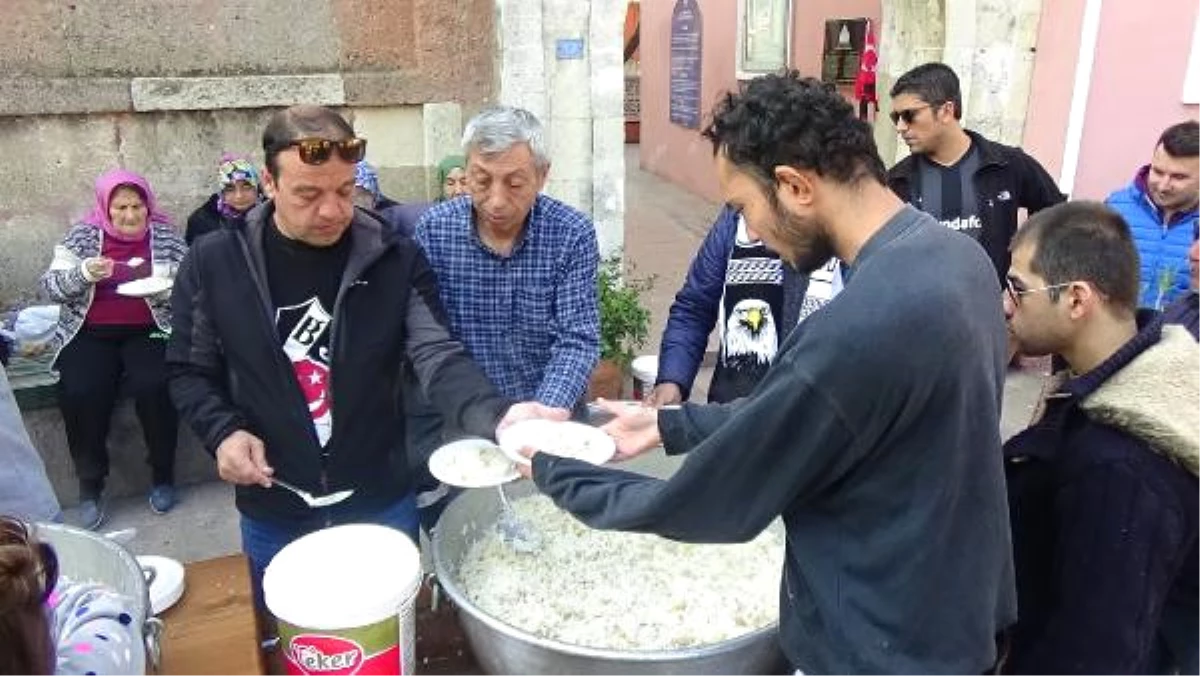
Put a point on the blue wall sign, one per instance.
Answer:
(568, 49)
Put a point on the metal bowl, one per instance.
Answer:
(504, 649)
(84, 556)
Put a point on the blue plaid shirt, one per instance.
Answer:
(531, 319)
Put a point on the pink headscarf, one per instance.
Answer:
(106, 185)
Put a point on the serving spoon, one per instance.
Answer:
(515, 531)
(314, 500)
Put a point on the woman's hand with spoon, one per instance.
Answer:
(97, 268)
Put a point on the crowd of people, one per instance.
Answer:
(867, 318)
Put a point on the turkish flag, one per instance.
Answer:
(864, 83)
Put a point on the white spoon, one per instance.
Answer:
(314, 500)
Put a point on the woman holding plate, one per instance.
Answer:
(112, 275)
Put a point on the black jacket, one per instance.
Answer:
(1008, 179)
(228, 370)
(207, 218)
(401, 218)
(1103, 500)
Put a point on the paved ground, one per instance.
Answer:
(664, 227)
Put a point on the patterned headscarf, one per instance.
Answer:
(234, 168)
(106, 185)
(367, 178)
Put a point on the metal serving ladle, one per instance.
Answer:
(515, 531)
(313, 500)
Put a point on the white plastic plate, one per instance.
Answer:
(146, 286)
(565, 439)
(472, 463)
(167, 585)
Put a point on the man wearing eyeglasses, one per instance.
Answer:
(1102, 488)
(969, 183)
(1160, 205)
(290, 337)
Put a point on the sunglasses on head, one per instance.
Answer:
(319, 150)
(908, 115)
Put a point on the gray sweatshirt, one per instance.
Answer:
(25, 492)
(876, 435)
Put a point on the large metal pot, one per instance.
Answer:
(84, 556)
(504, 649)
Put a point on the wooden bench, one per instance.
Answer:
(34, 385)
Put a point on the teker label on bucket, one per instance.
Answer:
(345, 598)
(365, 650)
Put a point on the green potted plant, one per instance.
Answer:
(624, 325)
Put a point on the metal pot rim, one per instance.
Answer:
(448, 582)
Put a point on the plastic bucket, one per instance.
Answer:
(645, 370)
(345, 599)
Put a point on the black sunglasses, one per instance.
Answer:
(908, 115)
(319, 150)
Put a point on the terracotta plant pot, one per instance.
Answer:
(608, 379)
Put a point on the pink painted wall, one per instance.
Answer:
(1137, 88)
(682, 155)
(1053, 77)
(678, 154)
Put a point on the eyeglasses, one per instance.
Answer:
(319, 150)
(1014, 294)
(908, 115)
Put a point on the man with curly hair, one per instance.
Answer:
(875, 432)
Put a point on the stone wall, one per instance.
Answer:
(990, 44)
(580, 100)
(163, 88)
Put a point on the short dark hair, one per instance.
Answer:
(297, 122)
(933, 83)
(1181, 140)
(1084, 241)
(785, 119)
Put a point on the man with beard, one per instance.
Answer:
(874, 434)
(1160, 207)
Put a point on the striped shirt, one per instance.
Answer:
(530, 319)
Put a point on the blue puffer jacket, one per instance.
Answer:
(1162, 247)
(693, 315)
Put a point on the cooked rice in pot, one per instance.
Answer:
(623, 591)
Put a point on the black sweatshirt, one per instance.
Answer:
(876, 434)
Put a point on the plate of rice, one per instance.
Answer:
(564, 439)
(472, 463)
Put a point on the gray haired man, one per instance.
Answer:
(516, 268)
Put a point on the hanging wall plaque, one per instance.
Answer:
(685, 64)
